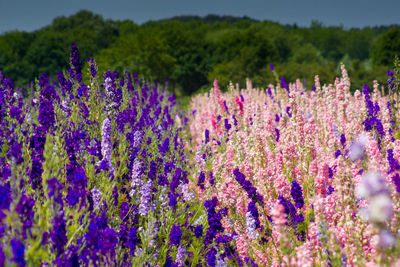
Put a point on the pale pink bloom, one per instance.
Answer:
(278, 214)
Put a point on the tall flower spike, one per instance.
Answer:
(297, 195)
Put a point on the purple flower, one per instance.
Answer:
(5, 197)
(226, 107)
(175, 236)
(59, 233)
(207, 136)
(18, 250)
(211, 256)
(211, 176)
(271, 67)
(393, 163)
(277, 134)
(214, 220)
(288, 112)
(201, 180)
(228, 126)
(2, 256)
(246, 185)
(198, 231)
(75, 59)
(284, 84)
(343, 140)
(26, 212)
(396, 181)
(338, 153)
(297, 195)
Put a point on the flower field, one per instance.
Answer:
(110, 171)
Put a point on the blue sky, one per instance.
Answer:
(29, 15)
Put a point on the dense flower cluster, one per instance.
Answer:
(309, 154)
(96, 175)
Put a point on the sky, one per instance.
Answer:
(30, 15)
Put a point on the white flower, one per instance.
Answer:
(380, 208)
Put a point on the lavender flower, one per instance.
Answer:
(145, 198)
(357, 148)
(373, 188)
(137, 138)
(136, 175)
(180, 256)
(96, 195)
(251, 226)
(106, 145)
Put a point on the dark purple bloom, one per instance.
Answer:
(330, 190)
(18, 250)
(226, 107)
(330, 171)
(211, 256)
(164, 148)
(254, 213)
(25, 211)
(288, 112)
(5, 197)
(228, 126)
(211, 176)
(338, 153)
(271, 67)
(198, 231)
(250, 262)
(343, 140)
(284, 84)
(214, 220)
(175, 236)
(297, 195)
(396, 181)
(59, 233)
(2, 256)
(246, 185)
(201, 180)
(393, 163)
(93, 70)
(277, 134)
(270, 92)
(76, 62)
(207, 136)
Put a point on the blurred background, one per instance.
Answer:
(192, 43)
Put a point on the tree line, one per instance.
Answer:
(191, 51)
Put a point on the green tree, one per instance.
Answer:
(386, 47)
